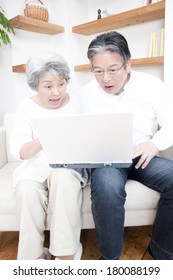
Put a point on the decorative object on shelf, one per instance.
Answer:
(6, 28)
(105, 14)
(147, 2)
(155, 1)
(99, 14)
(36, 9)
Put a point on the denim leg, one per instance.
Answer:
(108, 198)
(158, 175)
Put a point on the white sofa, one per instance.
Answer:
(140, 205)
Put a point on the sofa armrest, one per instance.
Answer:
(3, 154)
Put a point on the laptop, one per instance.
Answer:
(86, 140)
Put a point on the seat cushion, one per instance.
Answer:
(9, 119)
(140, 197)
(141, 202)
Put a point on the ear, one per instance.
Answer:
(128, 66)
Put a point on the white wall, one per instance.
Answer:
(72, 46)
(168, 65)
(7, 91)
(138, 36)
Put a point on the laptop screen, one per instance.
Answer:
(86, 140)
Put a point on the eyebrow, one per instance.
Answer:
(107, 67)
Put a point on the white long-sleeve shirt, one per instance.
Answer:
(144, 95)
(37, 167)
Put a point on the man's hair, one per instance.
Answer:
(109, 42)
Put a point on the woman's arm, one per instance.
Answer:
(30, 149)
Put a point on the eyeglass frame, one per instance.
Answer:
(109, 73)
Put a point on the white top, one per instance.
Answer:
(37, 167)
(144, 95)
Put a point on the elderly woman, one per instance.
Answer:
(35, 182)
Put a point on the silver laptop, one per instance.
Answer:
(86, 140)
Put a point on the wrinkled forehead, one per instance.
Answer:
(52, 73)
(107, 59)
(50, 76)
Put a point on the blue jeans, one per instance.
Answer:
(108, 198)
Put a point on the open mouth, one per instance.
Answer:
(108, 88)
(55, 102)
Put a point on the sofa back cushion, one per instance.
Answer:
(168, 153)
(9, 119)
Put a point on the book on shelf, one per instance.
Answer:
(162, 41)
(153, 44)
(157, 43)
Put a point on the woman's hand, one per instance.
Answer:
(30, 149)
(146, 151)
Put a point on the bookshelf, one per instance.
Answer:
(21, 68)
(137, 62)
(34, 25)
(136, 16)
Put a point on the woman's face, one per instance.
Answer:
(52, 91)
(110, 71)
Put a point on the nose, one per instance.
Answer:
(105, 76)
(55, 91)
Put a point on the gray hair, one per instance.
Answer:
(41, 63)
(109, 42)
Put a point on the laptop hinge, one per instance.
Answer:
(107, 164)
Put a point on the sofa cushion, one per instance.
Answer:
(3, 155)
(138, 196)
(139, 199)
(9, 119)
(7, 202)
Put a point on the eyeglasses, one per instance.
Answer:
(111, 72)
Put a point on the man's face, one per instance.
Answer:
(110, 71)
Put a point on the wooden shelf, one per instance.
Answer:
(137, 62)
(34, 25)
(19, 68)
(143, 14)
(82, 67)
(148, 61)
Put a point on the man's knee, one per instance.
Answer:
(109, 182)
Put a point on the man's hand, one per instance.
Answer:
(146, 151)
